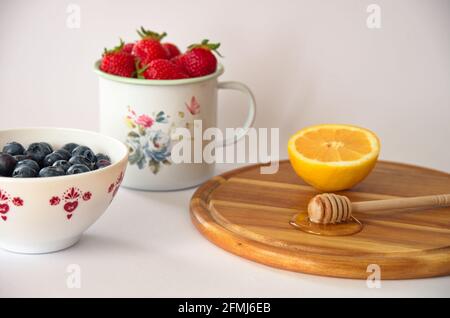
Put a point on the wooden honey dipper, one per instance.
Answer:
(329, 208)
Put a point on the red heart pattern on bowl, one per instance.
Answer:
(4, 208)
(114, 187)
(71, 197)
(5, 200)
(70, 206)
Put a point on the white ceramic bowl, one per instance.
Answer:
(42, 215)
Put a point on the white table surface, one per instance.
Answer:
(146, 246)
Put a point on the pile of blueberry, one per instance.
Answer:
(39, 160)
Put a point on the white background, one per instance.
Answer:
(308, 62)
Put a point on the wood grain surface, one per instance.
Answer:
(248, 214)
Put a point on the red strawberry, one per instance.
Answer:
(128, 48)
(118, 62)
(199, 60)
(178, 60)
(171, 50)
(149, 47)
(162, 69)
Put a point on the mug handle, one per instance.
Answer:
(237, 86)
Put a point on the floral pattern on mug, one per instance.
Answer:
(145, 121)
(193, 107)
(148, 145)
(149, 139)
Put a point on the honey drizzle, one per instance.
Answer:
(301, 221)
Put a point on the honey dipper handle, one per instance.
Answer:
(430, 201)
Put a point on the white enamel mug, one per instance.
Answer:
(144, 115)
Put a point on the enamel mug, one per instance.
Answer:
(144, 114)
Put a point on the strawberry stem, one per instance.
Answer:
(207, 46)
(116, 49)
(140, 70)
(147, 34)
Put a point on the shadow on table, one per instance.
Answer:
(176, 199)
(106, 244)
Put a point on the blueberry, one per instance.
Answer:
(101, 156)
(24, 171)
(21, 157)
(47, 147)
(37, 151)
(85, 152)
(63, 164)
(102, 163)
(70, 147)
(7, 164)
(78, 168)
(50, 159)
(51, 172)
(30, 163)
(13, 148)
(64, 153)
(80, 160)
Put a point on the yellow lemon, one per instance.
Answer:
(333, 157)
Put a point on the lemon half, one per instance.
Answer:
(333, 157)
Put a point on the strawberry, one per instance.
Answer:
(161, 69)
(178, 60)
(128, 48)
(118, 62)
(199, 60)
(171, 50)
(149, 48)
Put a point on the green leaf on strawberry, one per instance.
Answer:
(147, 34)
(207, 46)
(116, 49)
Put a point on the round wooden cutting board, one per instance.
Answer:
(248, 213)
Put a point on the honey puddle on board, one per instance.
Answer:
(301, 221)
